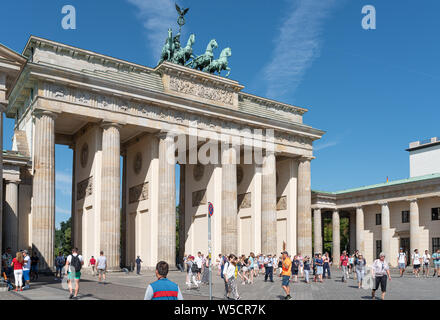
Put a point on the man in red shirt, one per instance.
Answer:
(92, 263)
(343, 265)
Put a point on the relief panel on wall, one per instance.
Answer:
(138, 193)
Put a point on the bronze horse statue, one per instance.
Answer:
(220, 64)
(168, 48)
(205, 59)
(182, 55)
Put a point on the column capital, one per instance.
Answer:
(42, 112)
(412, 199)
(12, 181)
(109, 124)
(165, 134)
(383, 203)
(306, 158)
(359, 206)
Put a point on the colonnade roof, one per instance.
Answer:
(384, 184)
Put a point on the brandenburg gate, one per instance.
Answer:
(121, 120)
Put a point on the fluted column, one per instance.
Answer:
(336, 238)
(360, 229)
(304, 208)
(229, 200)
(268, 205)
(2, 109)
(3, 105)
(110, 194)
(124, 211)
(43, 189)
(167, 200)
(11, 215)
(414, 225)
(317, 230)
(386, 234)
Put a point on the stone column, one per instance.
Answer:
(414, 225)
(336, 238)
(43, 189)
(182, 212)
(269, 205)
(317, 230)
(386, 234)
(229, 200)
(110, 194)
(3, 105)
(304, 208)
(73, 197)
(124, 211)
(360, 229)
(11, 215)
(167, 200)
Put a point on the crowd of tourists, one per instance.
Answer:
(244, 269)
(291, 268)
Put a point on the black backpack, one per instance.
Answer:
(76, 263)
(194, 268)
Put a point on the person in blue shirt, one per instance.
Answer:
(318, 263)
(163, 289)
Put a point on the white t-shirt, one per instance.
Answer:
(198, 261)
(426, 258)
(402, 256)
(380, 267)
(416, 258)
(27, 263)
(101, 263)
(69, 259)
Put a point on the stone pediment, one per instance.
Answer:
(197, 85)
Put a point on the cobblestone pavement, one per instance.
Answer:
(130, 286)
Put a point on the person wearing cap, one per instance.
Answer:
(286, 273)
(401, 261)
(380, 271)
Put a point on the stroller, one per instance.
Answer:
(5, 284)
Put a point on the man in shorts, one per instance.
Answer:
(73, 271)
(101, 267)
(59, 263)
(426, 261)
(416, 262)
(380, 271)
(286, 273)
(436, 259)
(26, 269)
(401, 261)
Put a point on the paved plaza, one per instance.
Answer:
(121, 286)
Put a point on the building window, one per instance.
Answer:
(378, 248)
(378, 219)
(435, 244)
(405, 216)
(435, 213)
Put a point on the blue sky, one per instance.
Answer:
(373, 91)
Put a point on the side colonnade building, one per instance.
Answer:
(121, 120)
(388, 216)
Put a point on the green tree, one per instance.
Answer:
(63, 238)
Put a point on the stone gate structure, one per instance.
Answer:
(112, 112)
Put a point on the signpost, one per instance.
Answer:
(210, 213)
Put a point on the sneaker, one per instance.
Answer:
(21, 289)
(71, 296)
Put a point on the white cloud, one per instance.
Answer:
(62, 210)
(157, 16)
(63, 182)
(297, 46)
(325, 145)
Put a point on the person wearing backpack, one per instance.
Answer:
(74, 264)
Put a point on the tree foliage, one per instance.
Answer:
(63, 238)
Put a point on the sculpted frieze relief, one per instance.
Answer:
(155, 112)
(201, 90)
